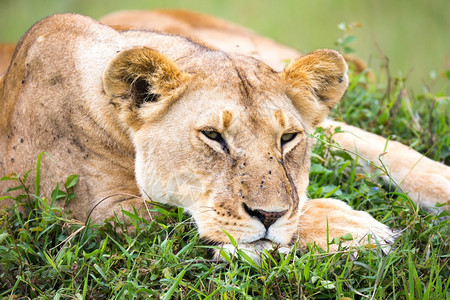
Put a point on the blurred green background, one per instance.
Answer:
(413, 34)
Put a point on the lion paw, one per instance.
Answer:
(325, 219)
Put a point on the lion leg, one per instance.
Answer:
(325, 219)
(427, 182)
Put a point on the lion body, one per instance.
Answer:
(42, 114)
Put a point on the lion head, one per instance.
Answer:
(225, 136)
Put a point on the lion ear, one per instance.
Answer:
(315, 83)
(139, 76)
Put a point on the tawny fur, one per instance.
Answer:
(6, 53)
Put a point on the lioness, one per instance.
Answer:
(137, 112)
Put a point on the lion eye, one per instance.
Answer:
(215, 136)
(287, 137)
(212, 135)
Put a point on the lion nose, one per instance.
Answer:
(266, 217)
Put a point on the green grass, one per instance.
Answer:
(45, 255)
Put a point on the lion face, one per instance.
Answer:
(224, 136)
